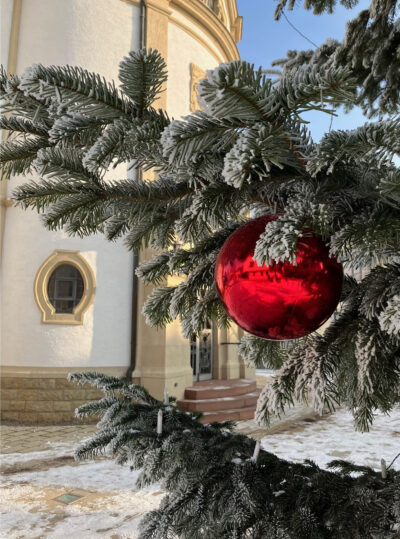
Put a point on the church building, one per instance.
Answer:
(71, 304)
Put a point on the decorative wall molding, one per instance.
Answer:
(49, 315)
(29, 372)
(196, 74)
(6, 202)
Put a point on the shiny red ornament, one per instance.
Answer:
(282, 301)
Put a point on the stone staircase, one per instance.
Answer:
(220, 400)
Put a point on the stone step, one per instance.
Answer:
(211, 389)
(234, 414)
(219, 403)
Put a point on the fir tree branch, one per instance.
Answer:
(376, 68)
(22, 126)
(17, 157)
(341, 366)
(235, 90)
(142, 75)
(183, 261)
(14, 100)
(182, 140)
(82, 91)
(261, 353)
(216, 489)
(77, 129)
(379, 140)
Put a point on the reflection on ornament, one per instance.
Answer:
(282, 301)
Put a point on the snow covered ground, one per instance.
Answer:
(111, 507)
(333, 437)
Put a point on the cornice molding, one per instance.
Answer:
(133, 2)
(13, 371)
(236, 20)
(204, 18)
(162, 6)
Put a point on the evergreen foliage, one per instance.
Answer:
(371, 48)
(247, 152)
(217, 489)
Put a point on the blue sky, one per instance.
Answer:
(265, 39)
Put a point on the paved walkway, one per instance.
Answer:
(28, 439)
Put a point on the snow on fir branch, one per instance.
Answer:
(389, 319)
(223, 484)
(248, 152)
(370, 48)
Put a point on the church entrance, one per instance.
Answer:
(201, 354)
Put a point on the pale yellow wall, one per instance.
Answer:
(185, 42)
(229, 364)
(177, 355)
(189, 43)
(183, 50)
(196, 34)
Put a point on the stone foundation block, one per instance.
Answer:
(61, 406)
(41, 406)
(46, 396)
(10, 416)
(64, 383)
(28, 417)
(94, 394)
(73, 394)
(16, 406)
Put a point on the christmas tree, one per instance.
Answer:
(247, 153)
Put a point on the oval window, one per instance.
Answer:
(65, 288)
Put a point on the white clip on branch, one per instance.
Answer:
(159, 422)
(257, 447)
(383, 469)
(166, 397)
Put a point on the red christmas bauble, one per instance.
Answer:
(282, 301)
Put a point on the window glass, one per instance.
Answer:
(65, 288)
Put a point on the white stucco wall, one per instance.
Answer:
(6, 7)
(94, 34)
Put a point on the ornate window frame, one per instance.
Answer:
(57, 258)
